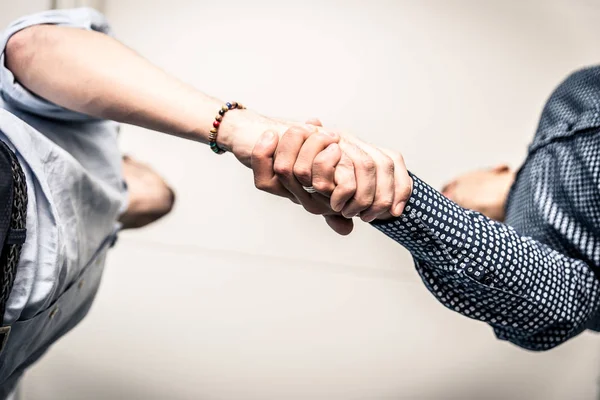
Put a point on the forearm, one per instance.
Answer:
(94, 74)
(531, 294)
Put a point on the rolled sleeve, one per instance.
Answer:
(13, 93)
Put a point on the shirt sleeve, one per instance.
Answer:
(17, 96)
(530, 294)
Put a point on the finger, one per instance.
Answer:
(262, 165)
(323, 169)
(315, 122)
(339, 224)
(345, 184)
(314, 145)
(285, 157)
(366, 180)
(384, 194)
(403, 183)
(287, 152)
(288, 148)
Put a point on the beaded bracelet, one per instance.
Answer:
(212, 138)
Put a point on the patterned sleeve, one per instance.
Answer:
(530, 294)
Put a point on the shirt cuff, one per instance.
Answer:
(432, 227)
(17, 96)
(440, 233)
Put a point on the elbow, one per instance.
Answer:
(525, 342)
(22, 47)
(538, 341)
(534, 346)
(18, 50)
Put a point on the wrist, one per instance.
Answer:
(240, 130)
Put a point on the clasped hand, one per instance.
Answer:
(350, 177)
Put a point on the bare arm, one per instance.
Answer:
(61, 58)
(94, 74)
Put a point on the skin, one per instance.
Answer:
(94, 74)
(149, 196)
(286, 162)
(309, 160)
(485, 191)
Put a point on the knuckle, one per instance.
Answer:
(388, 166)
(346, 162)
(367, 164)
(319, 164)
(404, 191)
(261, 185)
(363, 202)
(347, 189)
(303, 173)
(322, 185)
(382, 205)
(296, 131)
(283, 169)
(323, 139)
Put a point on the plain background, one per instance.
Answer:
(238, 295)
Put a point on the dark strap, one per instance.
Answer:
(12, 227)
(16, 236)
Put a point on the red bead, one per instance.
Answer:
(216, 124)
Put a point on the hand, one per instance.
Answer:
(359, 180)
(485, 190)
(368, 181)
(242, 129)
(149, 196)
(277, 177)
(383, 196)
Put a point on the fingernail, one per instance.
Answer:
(267, 137)
(331, 147)
(399, 209)
(332, 134)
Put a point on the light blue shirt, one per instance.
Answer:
(73, 169)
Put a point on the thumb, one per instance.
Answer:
(264, 150)
(339, 224)
(267, 143)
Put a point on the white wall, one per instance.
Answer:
(255, 299)
(11, 10)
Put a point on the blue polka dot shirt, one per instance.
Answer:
(533, 278)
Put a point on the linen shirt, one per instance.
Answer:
(76, 192)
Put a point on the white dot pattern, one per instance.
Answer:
(532, 279)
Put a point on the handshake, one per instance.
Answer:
(330, 174)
